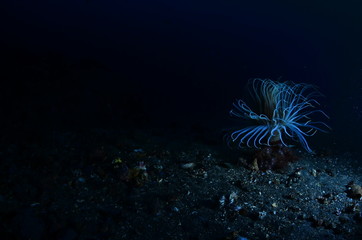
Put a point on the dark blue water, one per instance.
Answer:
(175, 64)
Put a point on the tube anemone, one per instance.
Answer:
(284, 111)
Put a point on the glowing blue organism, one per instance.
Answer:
(285, 110)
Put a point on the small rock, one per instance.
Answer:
(188, 165)
(262, 215)
(354, 191)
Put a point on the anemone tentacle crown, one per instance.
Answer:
(285, 110)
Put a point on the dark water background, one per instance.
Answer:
(174, 64)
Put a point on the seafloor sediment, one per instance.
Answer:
(118, 184)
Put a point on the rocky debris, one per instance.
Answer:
(88, 188)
